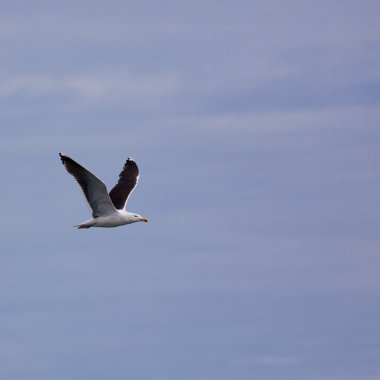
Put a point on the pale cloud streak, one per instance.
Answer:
(92, 88)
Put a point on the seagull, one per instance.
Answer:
(108, 209)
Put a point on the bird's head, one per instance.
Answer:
(138, 218)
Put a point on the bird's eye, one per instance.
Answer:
(135, 216)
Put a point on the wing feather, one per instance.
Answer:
(93, 188)
(128, 179)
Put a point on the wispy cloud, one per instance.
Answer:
(268, 361)
(96, 88)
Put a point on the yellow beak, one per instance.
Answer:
(145, 219)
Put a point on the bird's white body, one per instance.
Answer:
(118, 218)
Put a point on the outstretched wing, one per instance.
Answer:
(127, 182)
(93, 188)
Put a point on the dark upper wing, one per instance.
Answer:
(93, 188)
(127, 181)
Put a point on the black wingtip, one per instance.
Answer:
(63, 157)
(131, 160)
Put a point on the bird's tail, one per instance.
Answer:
(88, 224)
(82, 226)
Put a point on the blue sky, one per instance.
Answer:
(256, 128)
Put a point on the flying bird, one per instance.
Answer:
(108, 209)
